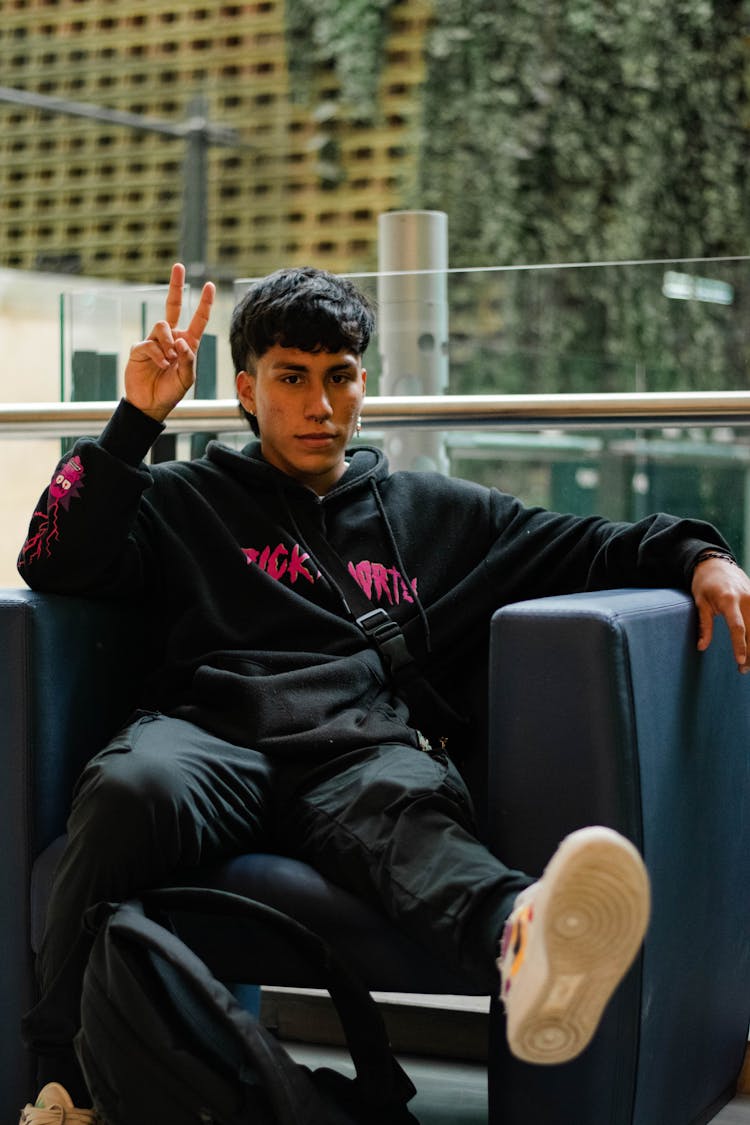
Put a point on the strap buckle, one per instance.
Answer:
(378, 625)
(386, 634)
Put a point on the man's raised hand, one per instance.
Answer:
(161, 368)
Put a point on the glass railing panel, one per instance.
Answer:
(594, 327)
(619, 327)
(660, 326)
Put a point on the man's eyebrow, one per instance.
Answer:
(288, 365)
(343, 365)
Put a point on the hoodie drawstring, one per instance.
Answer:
(400, 565)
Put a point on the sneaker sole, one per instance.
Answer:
(593, 909)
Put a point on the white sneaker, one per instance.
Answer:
(568, 942)
(54, 1106)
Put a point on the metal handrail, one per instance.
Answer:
(36, 419)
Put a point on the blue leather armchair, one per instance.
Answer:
(600, 710)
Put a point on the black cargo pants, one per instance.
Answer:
(390, 823)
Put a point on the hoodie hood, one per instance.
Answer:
(365, 464)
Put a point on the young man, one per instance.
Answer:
(278, 718)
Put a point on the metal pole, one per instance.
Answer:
(197, 132)
(413, 324)
(459, 412)
(194, 215)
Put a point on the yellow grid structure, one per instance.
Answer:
(104, 200)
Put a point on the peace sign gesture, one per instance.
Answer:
(161, 369)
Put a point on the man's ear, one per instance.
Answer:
(245, 384)
(364, 381)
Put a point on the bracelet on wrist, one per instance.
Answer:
(715, 553)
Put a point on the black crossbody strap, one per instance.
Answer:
(377, 625)
(385, 634)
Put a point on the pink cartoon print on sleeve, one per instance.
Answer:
(65, 486)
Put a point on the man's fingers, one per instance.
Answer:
(173, 306)
(738, 633)
(199, 321)
(162, 338)
(705, 626)
(159, 352)
(185, 363)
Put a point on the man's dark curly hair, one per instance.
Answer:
(304, 308)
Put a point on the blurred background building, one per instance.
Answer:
(304, 183)
(548, 131)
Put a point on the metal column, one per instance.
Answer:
(413, 324)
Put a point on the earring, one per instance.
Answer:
(358, 427)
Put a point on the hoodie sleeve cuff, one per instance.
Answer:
(129, 434)
(694, 549)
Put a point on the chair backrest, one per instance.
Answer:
(69, 671)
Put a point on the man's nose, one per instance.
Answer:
(317, 405)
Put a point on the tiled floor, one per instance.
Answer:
(447, 1093)
(456, 1093)
(737, 1113)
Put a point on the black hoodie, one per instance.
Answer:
(233, 560)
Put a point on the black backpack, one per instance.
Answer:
(163, 1042)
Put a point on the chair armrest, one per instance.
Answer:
(603, 711)
(567, 714)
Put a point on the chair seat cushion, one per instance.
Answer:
(374, 948)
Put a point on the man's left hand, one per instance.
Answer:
(720, 588)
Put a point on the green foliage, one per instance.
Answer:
(597, 328)
(583, 130)
(345, 37)
(574, 130)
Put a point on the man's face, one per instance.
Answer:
(307, 405)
